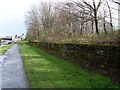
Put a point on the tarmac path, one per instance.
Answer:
(13, 75)
(1, 60)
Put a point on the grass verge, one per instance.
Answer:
(5, 48)
(47, 71)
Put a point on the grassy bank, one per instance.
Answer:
(5, 48)
(47, 71)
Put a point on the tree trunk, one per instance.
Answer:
(38, 33)
(92, 27)
(105, 28)
(111, 25)
(96, 23)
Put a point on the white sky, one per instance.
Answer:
(12, 15)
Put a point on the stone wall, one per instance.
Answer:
(102, 58)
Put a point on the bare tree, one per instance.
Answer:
(104, 21)
(110, 15)
(80, 13)
(94, 8)
(32, 22)
(46, 15)
(65, 21)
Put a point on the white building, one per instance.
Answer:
(18, 38)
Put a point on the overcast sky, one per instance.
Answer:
(12, 15)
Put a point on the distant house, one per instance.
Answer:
(23, 37)
(19, 38)
(10, 39)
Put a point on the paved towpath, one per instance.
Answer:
(13, 75)
(1, 60)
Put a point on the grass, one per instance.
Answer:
(5, 48)
(47, 71)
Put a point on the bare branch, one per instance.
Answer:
(116, 2)
(88, 5)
